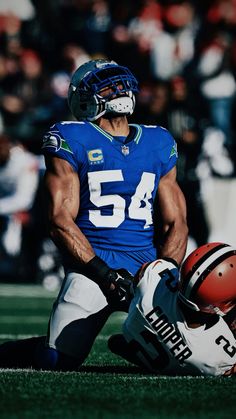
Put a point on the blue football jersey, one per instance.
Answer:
(118, 180)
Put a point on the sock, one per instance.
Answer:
(32, 353)
(19, 353)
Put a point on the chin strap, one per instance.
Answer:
(187, 302)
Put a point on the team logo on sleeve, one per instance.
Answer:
(95, 156)
(54, 140)
(174, 151)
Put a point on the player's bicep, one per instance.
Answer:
(171, 201)
(61, 188)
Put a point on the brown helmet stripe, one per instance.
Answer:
(199, 263)
(208, 270)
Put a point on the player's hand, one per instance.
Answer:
(121, 288)
(116, 284)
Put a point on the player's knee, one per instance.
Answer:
(45, 358)
(50, 359)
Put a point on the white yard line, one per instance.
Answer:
(10, 336)
(117, 318)
(163, 377)
(126, 376)
(27, 291)
(23, 319)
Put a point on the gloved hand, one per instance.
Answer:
(122, 287)
(116, 284)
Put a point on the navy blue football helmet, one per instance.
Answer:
(89, 79)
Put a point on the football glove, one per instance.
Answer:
(116, 284)
(121, 290)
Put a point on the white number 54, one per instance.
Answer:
(140, 208)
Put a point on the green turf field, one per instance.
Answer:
(106, 387)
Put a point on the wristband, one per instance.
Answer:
(98, 270)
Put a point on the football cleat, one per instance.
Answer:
(208, 279)
(84, 98)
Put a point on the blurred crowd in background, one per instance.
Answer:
(184, 56)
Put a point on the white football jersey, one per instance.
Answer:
(158, 333)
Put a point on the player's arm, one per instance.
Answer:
(172, 208)
(62, 192)
(62, 189)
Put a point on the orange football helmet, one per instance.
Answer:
(208, 279)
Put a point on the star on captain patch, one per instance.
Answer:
(125, 150)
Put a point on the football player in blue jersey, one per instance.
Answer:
(105, 182)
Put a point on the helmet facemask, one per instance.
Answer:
(85, 95)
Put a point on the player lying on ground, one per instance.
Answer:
(186, 327)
